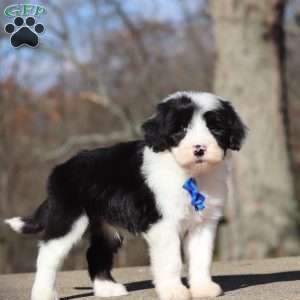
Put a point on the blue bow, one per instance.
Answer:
(197, 198)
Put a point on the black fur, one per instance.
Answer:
(36, 222)
(226, 126)
(167, 128)
(105, 242)
(105, 183)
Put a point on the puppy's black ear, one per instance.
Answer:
(238, 129)
(172, 117)
(154, 129)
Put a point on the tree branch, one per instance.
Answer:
(79, 141)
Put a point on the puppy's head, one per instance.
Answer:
(197, 128)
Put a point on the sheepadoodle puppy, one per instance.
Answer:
(170, 187)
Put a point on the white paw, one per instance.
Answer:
(206, 289)
(107, 288)
(44, 294)
(173, 292)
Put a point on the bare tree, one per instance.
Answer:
(250, 71)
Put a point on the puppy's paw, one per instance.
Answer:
(173, 292)
(206, 289)
(107, 288)
(44, 294)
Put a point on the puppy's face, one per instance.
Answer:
(197, 128)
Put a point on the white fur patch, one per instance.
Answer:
(15, 223)
(50, 257)
(206, 289)
(201, 237)
(174, 292)
(165, 178)
(205, 101)
(164, 246)
(107, 288)
(44, 294)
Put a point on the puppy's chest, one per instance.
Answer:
(213, 208)
(176, 203)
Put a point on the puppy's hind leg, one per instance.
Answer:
(57, 242)
(105, 242)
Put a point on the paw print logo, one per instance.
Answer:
(24, 34)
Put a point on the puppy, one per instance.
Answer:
(170, 187)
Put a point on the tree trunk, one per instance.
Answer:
(250, 72)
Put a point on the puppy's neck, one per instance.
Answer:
(218, 173)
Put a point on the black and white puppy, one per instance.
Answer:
(138, 186)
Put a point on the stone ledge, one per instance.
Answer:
(274, 279)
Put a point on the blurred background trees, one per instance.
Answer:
(100, 68)
(250, 70)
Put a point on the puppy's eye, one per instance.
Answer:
(181, 130)
(216, 127)
(179, 134)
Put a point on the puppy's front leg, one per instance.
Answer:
(166, 264)
(199, 247)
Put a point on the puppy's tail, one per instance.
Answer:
(32, 224)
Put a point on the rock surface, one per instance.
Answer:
(272, 279)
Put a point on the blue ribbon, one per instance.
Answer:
(197, 199)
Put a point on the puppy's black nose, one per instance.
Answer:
(199, 150)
